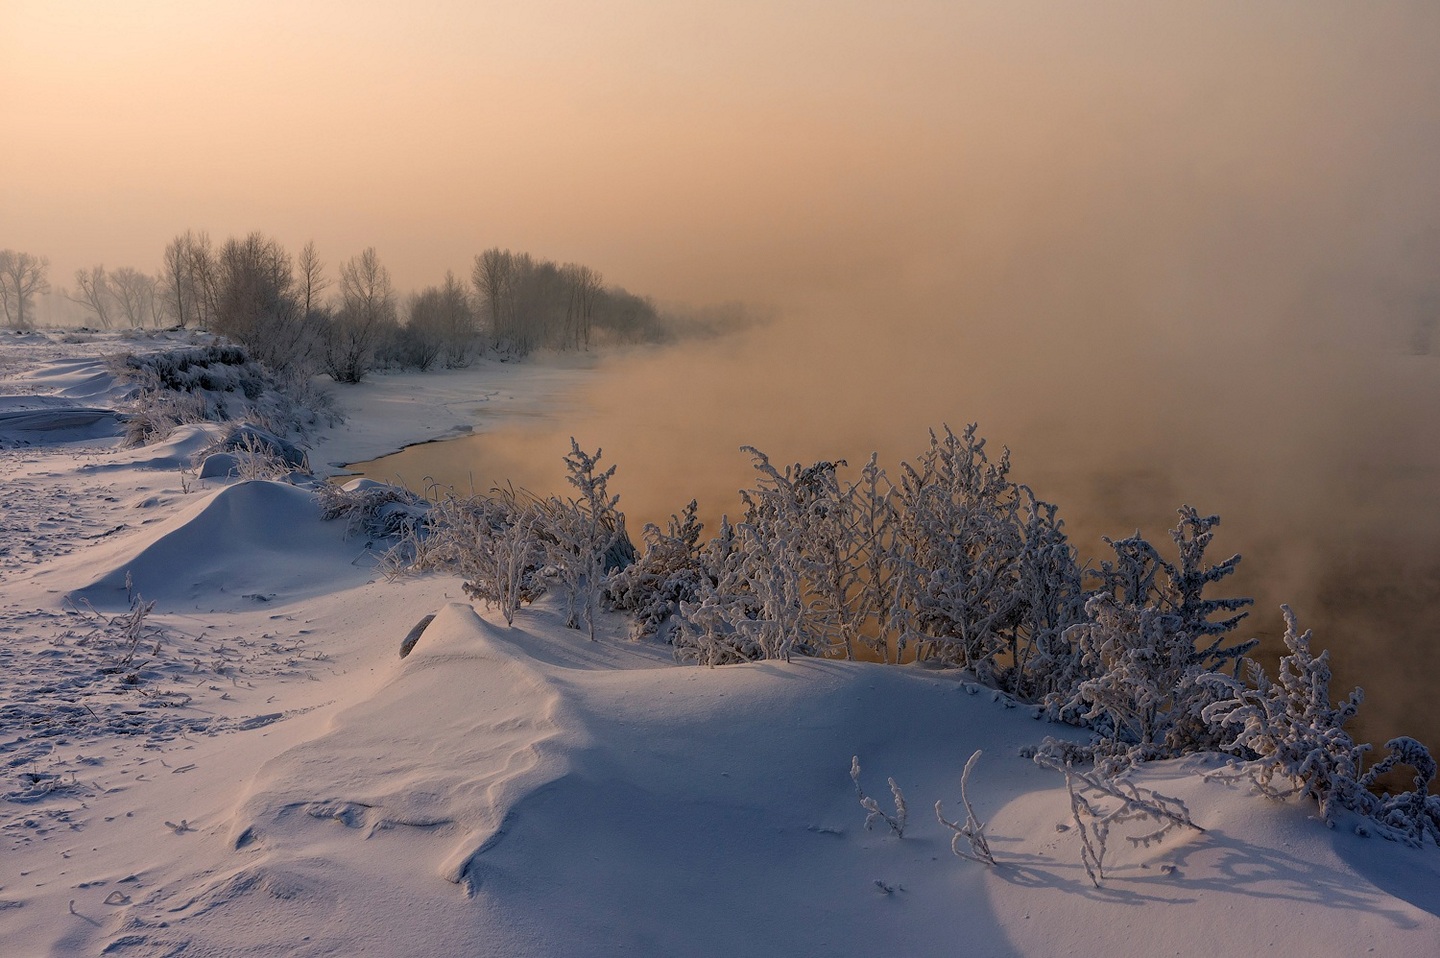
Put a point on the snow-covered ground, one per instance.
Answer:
(252, 768)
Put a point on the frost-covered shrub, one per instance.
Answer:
(669, 572)
(503, 570)
(256, 460)
(1142, 689)
(1292, 735)
(306, 404)
(1141, 577)
(510, 546)
(958, 565)
(983, 574)
(959, 538)
(154, 413)
(748, 608)
(492, 542)
(880, 621)
(722, 624)
(1410, 816)
(215, 383)
(248, 440)
(374, 509)
(785, 580)
(1149, 637)
(794, 552)
(1291, 738)
(584, 538)
(215, 368)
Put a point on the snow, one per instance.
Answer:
(276, 779)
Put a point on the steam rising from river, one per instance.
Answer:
(1197, 262)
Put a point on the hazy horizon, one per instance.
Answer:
(1197, 246)
(787, 156)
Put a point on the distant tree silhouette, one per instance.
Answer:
(22, 278)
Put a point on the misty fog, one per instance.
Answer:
(1204, 269)
(1165, 254)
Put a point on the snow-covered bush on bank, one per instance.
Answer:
(956, 565)
(1291, 738)
(959, 565)
(375, 509)
(584, 539)
(510, 546)
(1148, 640)
(1138, 686)
(669, 572)
(503, 559)
(215, 383)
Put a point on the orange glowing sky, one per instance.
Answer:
(703, 150)
(1195, 246)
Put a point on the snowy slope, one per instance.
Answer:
(277, 780)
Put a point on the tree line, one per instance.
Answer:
(294, 315)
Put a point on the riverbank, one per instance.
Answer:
(249, 767)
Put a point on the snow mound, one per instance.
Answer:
(175, 451)
(481, 764)
(58, 424)
(254, 541)
(458, 732)
(87, 378)
(584, 806)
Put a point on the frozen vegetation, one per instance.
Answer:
(246, 711)
(957, 566)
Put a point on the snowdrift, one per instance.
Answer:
(271, 777)
(86, 377)
(525, 792)
(57, 423)
(251, 542)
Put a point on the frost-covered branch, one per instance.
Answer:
(873, 811)
(973, 831)
(1099, 803)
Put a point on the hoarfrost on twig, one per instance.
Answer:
(873, 811)
(973, 831)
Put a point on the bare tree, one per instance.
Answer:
(532, 303)
(188, 286)
(92, 290)
(421, 340)
(158, 310)
(365, 286)
(203, 268)
(458, 322)
(494, 281)
(311, 279)
(22, 278)
(256, 304)
(584, 286)
(367, 315)
(134, 292)
(537, 307)
(441, 323)
(174, 290)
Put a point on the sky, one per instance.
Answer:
(712, 152)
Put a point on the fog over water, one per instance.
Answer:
(1167, 267)
(1166, 253)
(1322, 462)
